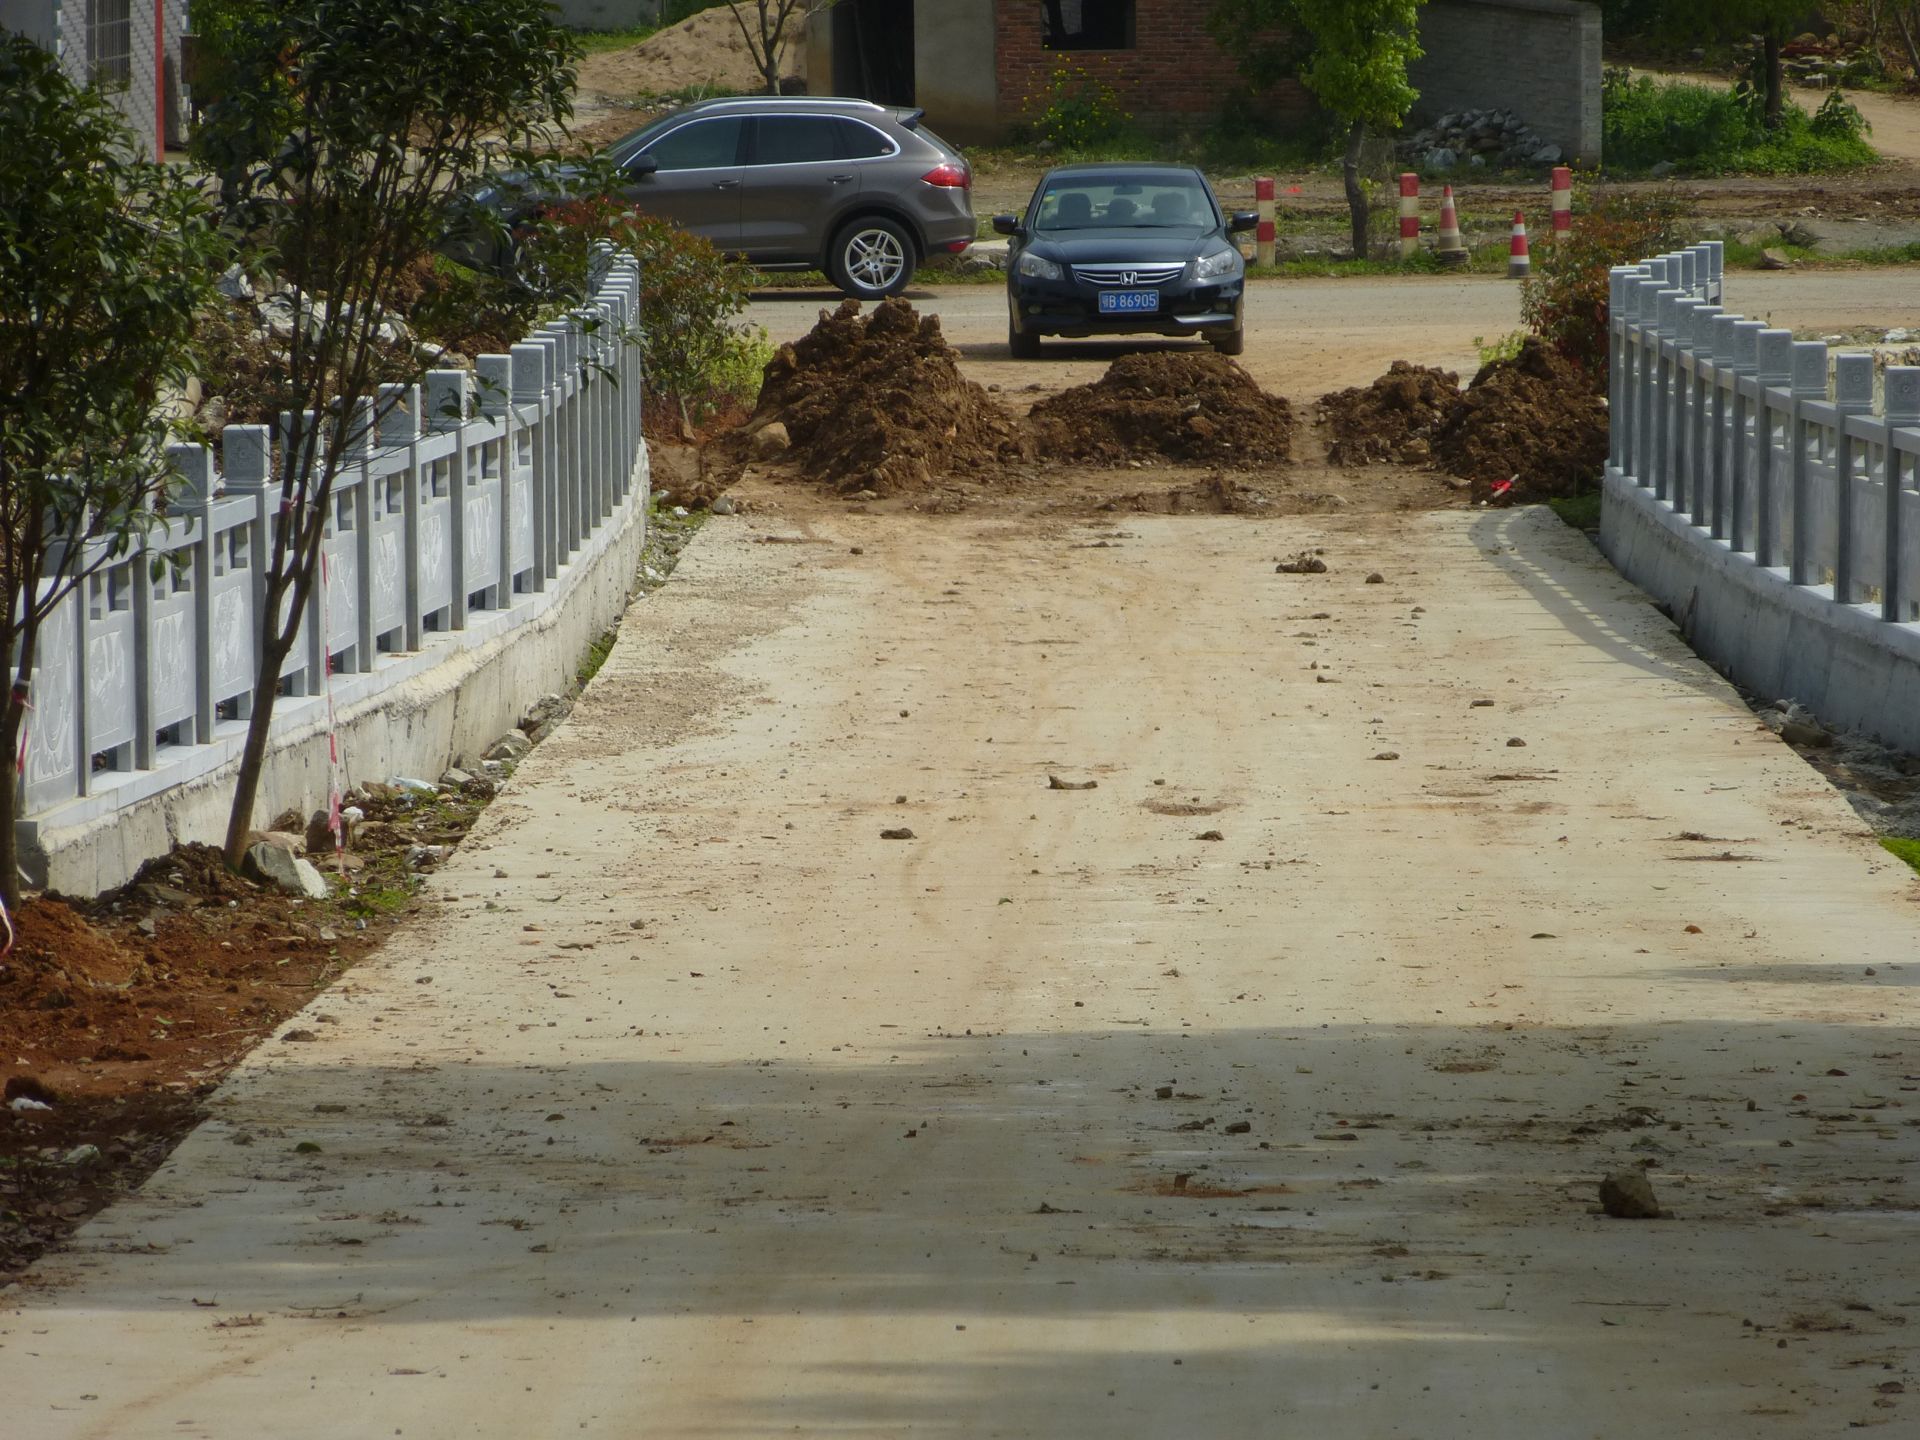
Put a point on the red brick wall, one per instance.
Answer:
(1174, 69)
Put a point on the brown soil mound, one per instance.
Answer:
(703, 49)
(877, 402)
(1395, 418)
(1195, 408)
(1533, 420)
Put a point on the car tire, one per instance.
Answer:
(1021, 346)
(1230, 342)
(871, 259)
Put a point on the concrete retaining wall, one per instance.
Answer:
(1760, 488)
(461, 691)
(1843, 662)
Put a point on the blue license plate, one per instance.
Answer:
(1129, 302)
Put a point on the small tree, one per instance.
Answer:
(345, 131)
(104, 258)
(1351, 54)
(765, 25)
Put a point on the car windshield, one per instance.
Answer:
(1134, 202)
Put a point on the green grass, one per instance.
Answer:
(1582, 512)
(1908, 254)
(1705, 130)
(595, 657)
(1907, 850)
(1744, 255)
(597, 42)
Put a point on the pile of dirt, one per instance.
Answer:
(1201, 409)
(704, 49)
(876, 403)
(1393, 419)
(1532, 420)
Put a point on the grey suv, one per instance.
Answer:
(864, 192)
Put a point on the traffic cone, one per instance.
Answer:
(1519, 262)
(1450, 249)
(1562, 202)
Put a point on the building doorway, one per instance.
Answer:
(873, 50)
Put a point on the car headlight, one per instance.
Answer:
(1220, 262)
(1037, 267)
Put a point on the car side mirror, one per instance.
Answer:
(1006, 224)
(642, 165)
(1243, 220)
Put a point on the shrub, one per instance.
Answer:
(1564, 300)
(1708, 131)
(1080, 110)
(691, 345)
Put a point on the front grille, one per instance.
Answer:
(1128, 275)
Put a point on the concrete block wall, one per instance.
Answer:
(1537, 58)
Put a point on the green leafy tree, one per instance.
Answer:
(344, 132)
(1351, 54)
(104, 258)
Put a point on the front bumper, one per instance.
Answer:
(1070, 307)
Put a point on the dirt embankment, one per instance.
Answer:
(1393, 419)
(1528, 428)
(876, 403)
(1194, 408)
(707, 49)
(1533, 421)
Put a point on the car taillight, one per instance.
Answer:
(950, 177)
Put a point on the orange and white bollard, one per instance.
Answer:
(1562, 202)
(1266, 234)
(1450, 246)
(1519, 262)
(1409, 215)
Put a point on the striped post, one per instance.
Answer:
(1519, 262)
(1562, 202)
(1450, 246)
(1264, 236)
(1409, 215)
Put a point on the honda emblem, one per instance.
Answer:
(1129, 277)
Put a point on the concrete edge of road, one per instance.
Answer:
(1783, 641)
(460, 695)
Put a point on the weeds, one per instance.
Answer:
(1907, 850)
(1506, 347)
(1703, 130)
(1582, 512)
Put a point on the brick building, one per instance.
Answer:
(979, 66)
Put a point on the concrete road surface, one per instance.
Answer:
(1262, 1090)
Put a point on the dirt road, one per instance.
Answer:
(702, 1109)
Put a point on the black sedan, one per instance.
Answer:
(1123, 249)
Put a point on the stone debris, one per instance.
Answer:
(1491, 137)
(1628, 1195)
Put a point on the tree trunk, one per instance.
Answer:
(253, 756)
(14, 718)
(1907, 40)
(1356, 193)
(10, 806)
(1770, 52)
